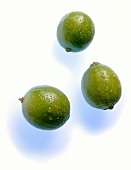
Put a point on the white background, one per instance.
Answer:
(30, 55)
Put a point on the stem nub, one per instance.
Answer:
(21, 99)
(68, 50)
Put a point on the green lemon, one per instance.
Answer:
(45, 107)
(75, 31)
(101, 86)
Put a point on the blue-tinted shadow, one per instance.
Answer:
(67, 59)
(95, 120)
(36, 142)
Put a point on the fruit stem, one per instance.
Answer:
(68, 50)
(111, 107)
(21, 99)
(94, 64)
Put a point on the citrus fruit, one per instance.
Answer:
(75, 31)
(45, 107)
(101, 86)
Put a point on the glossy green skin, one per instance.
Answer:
(75, 31)
(101, 86)
(46, 107)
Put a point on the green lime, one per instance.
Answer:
(75, 31)
(45, 107)
(101, 86)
